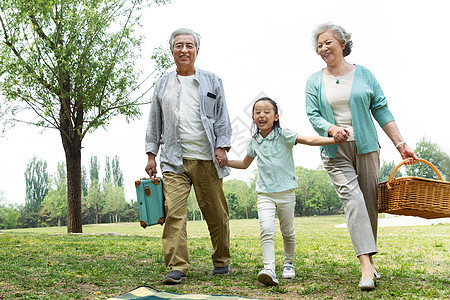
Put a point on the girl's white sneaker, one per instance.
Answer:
(268, 277)
(288, 272)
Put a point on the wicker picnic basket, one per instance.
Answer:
(415, 196)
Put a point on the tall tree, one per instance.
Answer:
(114, 199)
(116, 172)
(108, 176)
(55, 201)
(94, 169)
(37, 183)
(431, 152)
(84, 181)
(72, 63)
(95, 200)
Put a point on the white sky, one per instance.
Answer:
(258, 46)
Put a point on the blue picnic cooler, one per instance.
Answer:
(150, 200)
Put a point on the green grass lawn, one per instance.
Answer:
(108, 260)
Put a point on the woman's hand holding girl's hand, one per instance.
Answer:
(339, 134)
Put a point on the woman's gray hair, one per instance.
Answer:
(344, 37)
(182, 31)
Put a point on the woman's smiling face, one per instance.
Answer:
(329, 48)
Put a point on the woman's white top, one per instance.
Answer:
(338, 90)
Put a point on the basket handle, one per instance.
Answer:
(391, 178)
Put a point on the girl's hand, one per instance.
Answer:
(339, 134)
(219, 160)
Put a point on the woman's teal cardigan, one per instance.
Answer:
(366, 100)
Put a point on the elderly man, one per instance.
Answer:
(189, 122)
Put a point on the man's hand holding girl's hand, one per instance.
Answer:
(221, 156)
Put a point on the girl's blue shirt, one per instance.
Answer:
(275, 161)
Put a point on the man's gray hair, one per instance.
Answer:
(344, 37)
(182, 31)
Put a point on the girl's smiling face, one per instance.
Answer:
(264, 116)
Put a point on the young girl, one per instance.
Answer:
(275, 183)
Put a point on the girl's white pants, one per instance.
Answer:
(282, 203)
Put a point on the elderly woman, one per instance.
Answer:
(340, 102)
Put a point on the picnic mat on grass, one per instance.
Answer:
(148, 293)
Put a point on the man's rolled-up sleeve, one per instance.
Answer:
(222, 124)
(154, 126)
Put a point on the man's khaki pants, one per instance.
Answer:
(211, 200)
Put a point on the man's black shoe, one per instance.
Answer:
(174, 277)
(221, 270)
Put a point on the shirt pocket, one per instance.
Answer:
(210, 105)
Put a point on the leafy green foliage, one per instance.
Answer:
(241, 199)
(315, 194)
(163, 59)
(71, 63)
(106, 198)
(432, 153)
(117, 174)
(94, 168)
(112, 171)
(27, 219)
(8, 216)
(103, 202)
(386, 171)
(114, 201)
(93, 203)
(64, 58)
(84, 181)
(37, 184)
(55, 203)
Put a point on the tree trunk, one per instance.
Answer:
(71, 140)
(71, 125)
(73, 162)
